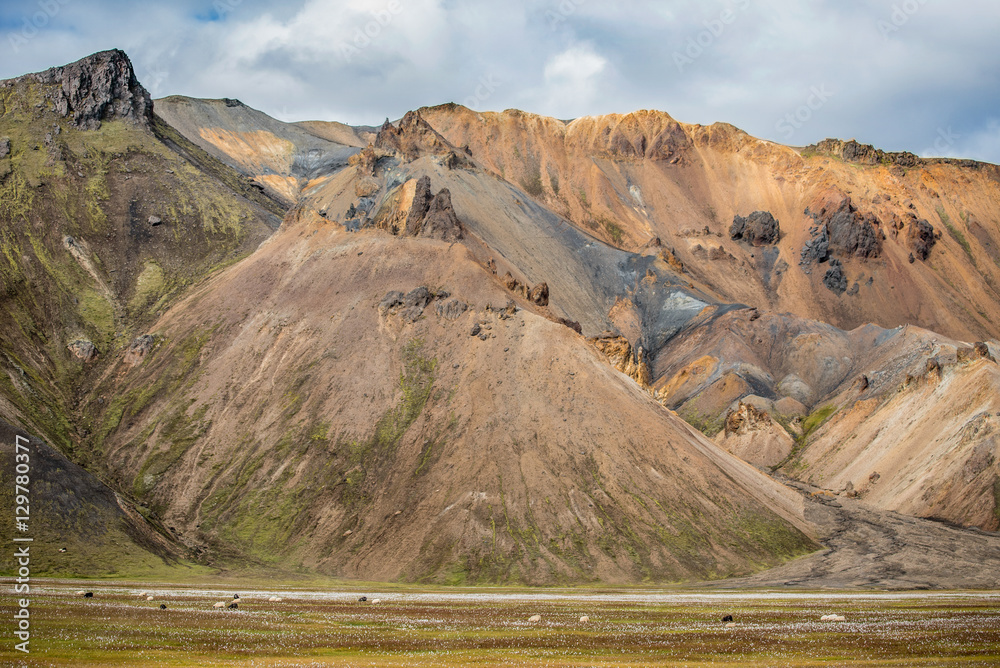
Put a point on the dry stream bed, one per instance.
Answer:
(491, 627)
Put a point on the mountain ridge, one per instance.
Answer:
(457, 346)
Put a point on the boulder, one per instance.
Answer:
(539, 294)
(920, 238)
(834, 279)
(982, 349)
(451, 310)
(4, 147)
(366, 186)
(758, 229)
(414, 303)
(853, 233)
(138, 349)
(418, 297)
(391, 300)
(572, 324)
(83, 349)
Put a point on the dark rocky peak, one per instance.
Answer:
(433, 215)
(100, 87)
(413, 138)
(427, 215)
(441, 221)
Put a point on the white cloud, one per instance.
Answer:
(940, 69)
(983, 144)
(572, 80)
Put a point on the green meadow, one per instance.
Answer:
(409, 626)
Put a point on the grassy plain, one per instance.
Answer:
(410, 626)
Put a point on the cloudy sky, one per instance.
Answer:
(917, 75)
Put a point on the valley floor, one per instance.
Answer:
(411, 626)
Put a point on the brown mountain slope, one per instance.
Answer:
(631, 178)
(929, 449)
(697, 357)
(834, 407)
(279, 157)
(323, 427)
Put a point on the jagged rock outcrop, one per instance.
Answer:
(980, 350)
(920, 237)
(452, 309)
(841, 230)
(420, 204)
(415, 137)
(97, 88)
(419, 213)
(835, 279)
(620, 354)
(865, 154)
(364, 161)
(538, 294)
(411, 305)
(746, 418)
(816, 249)
(851, 232)
(441, 222)
(4, 147)
(572, 324)
(758, 229)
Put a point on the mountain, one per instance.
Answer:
(459, 347)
